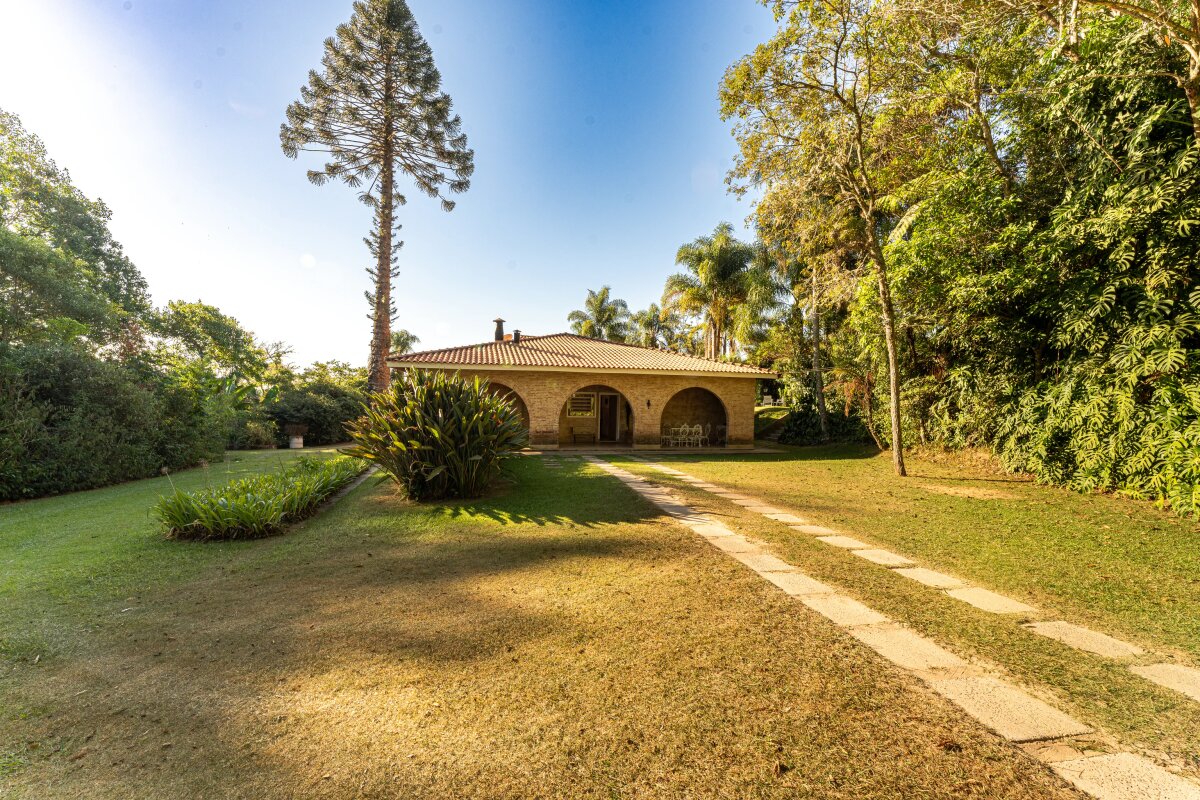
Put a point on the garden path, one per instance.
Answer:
(1047, 733)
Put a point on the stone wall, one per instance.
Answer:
(544, 394)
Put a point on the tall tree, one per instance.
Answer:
(817, 106)
(62, 275)
(376, 109)
(1174, 26)
(602, 317)
(654, 327)
(716, 282)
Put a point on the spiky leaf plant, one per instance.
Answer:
(257, 506)
(439, 435)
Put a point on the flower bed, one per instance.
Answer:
(261, 505)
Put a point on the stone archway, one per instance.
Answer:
(697, 406)
(596, 415)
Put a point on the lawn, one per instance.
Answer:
(554, 639)
(92, 546)
(1114, 564)
(766, 417)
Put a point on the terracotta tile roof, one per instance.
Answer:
(570, 351)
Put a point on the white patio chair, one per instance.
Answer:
(704, 438)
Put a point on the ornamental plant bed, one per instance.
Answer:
(439, 435)
(257, 506)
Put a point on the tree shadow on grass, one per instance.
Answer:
(816, 452)
(534, 494)
(184, 694)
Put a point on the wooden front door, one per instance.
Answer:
(608, 417)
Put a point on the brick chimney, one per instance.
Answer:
(499, 329)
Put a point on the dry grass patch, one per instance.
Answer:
(973, 492)
(554, 640)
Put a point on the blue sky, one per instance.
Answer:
(595, 125)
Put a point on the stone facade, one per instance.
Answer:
(544, 395)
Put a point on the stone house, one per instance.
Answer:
(574, 391)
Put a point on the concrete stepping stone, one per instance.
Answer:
(1086, 639)
(1124, 776)
(795, 584)
(746, 501)
(815, 530)
(734, 545)
(906, 648)
(885, 557)
(844, 541)
(931, 578)
(790, 519)
(842, 610)
(708, 529)
(987, 600)
(1173, 676)
(760, 509)
(1010, 712)
(690, 518)
(763, 562)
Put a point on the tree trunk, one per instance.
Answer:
(1191, 89)
(818, 375)
(868, 395)
(889, 337)
(379, 376)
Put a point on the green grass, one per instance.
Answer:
(765, 417)
(1108, 560)
(556, 638)
(76, 550)
(1113, 564)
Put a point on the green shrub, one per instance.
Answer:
(803, 425)
(439, 435)
(323, 409)
(252, 431)
(257, 506)
(72, 421)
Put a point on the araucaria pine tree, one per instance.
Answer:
(376, 108)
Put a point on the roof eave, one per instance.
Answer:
(400, 364)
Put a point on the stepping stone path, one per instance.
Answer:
(930, 578)
(1007, 709)
(990, 601)
(884, 558)
(1185, 680)
(1084, 639)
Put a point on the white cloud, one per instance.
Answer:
(308, 261)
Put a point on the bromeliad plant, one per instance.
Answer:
(439, 435)
(257, 506)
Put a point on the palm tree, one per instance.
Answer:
(654, 327)
(404, 342)
(601, 317)
(764, 286)
(715, 284)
